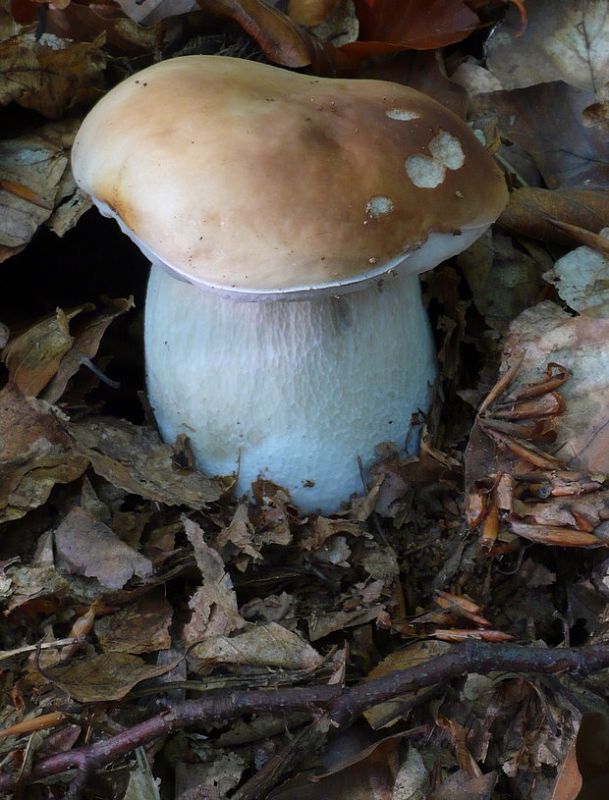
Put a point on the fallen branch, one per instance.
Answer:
(342, 705)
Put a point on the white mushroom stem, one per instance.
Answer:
(296, 391)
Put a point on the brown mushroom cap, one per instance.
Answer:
(250, 178)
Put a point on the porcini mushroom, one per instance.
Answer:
(286, 218)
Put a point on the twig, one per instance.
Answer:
(30, 648)
(342, 705)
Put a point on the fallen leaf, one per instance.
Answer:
(387, 26)
(262, 646)
(35, 454)
(503, 280)
(238, 535)
(85, 546)
(141, 627)
(561, 42)
(134, 459)
(33, 357)
(321, 625)
(546, 121)
(214, 779)
(581, 278)
(311, 12)
(34, 590)
(84, 345)
(84, 22)
(384, 714)
(546, 333)
(106, 677)
(214, 604)
(461, 784)
(35, 170)
(50, 75)
(531, 212)
(371, 773)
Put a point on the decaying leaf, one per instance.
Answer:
(261, 646)
(34, 356)
(84, 346)
(134, 459)
(503, 280)
(142, 627)
(88, 547)
(531, 212)
(105, 677)
(545, 334)
(48, 74)
(33, 589)
(389, 713)
(34, 180)
(213, 778)
(581, 278)
(321, 625)
(546, 121)
(214, 604)
(561, 42)
(35, 454)
(311, 12)
(387, 26)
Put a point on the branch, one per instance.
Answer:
(342, 705)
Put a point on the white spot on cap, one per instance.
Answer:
(447, 149)
(424, 171)
(378, 206)
(402, 114)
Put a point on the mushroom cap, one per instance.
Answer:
(251, 179)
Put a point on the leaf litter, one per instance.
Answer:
(128, 578)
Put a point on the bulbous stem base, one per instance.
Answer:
(295, 391)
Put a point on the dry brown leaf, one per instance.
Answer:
(261, 646)
(214, 604)
(35, 454)
(150, 12)
(322, 528)
(530, 212)
(213, 779)
(87, 547)
(35, 180)
(50, 75)
(85, 343)
(84, 22)
(142, 627)
(503, 280)
(321, 625)
(106, 677)
(546, 121)
(387, 26)
(546, 333)
(239, 534)
(581, 278)
(561, 42)
(33, 357)
(34, 590)
(389, 713)
(134, 459)
(311, 12)
(461, 784)
(371, 773)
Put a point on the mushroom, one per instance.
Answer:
(286, 218)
